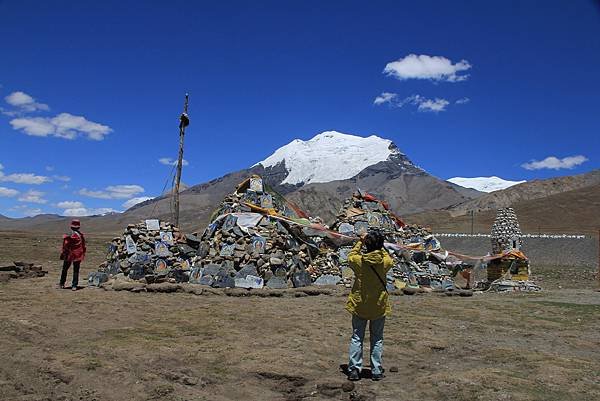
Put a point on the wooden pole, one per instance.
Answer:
(472, 220)
(184, 121)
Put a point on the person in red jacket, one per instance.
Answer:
(73, 251)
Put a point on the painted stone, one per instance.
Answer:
(328, 279)
(277, 283)
(161, 249)
(195, 275)
(301, 279)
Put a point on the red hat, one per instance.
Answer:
(75, 223)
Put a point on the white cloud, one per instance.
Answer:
(23, 178)
(554, 163)
(82, 211)
(385, 97)
(63, 178)
(435, 105)
(423, 104)
(422, 66)
(25, 102)
(76, 208)
(134, 201)
(69, 205)
(113, 192)
(8, 192)
(167, 161)
(64, 125)
(26, 210)
(463, 100)
(33, 196)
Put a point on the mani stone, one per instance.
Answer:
(206, 280)
(276, 282)
(328, 279)
(137, 272)
(249, 281)
(97, 278)
(301, 279)
(223, 280)
(211, 270)
(248, 270)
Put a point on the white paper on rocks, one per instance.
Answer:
(152, 225)
(247, 219)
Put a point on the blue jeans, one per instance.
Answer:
(356, 343)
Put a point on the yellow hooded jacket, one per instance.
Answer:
(369, 299)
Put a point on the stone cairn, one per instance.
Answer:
(251, 243)
(506, 234)
(153, 250)
(420, 262)
(21, 270)
(510, 272)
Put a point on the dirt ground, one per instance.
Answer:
(106, 345)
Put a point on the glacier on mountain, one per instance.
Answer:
(484, 184)
(329, 156)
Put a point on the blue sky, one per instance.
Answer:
(101, 85)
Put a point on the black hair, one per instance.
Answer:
(374, 241)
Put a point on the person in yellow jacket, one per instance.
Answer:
(368, 301)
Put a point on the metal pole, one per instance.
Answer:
(184, 121)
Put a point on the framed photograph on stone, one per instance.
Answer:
(258, 244)
(161, 249)
(256, 184)
(152, 225)
(166, 237)
(227, 250)
(210, 231)
(266, 201)
(229, 222)
(161, 267)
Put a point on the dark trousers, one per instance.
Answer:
(65, 269)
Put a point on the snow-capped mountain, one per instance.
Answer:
(484, 184)
(332, 156)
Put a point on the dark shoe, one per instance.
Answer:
(354, 375)
(377, 376)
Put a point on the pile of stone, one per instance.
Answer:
(363, 212)
(21, 270)
(419, 258)
(152, 251)
(251, 242)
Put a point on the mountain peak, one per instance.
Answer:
(330, 156)
(484, 184)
